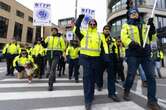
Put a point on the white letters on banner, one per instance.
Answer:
(42, 14)
(89, 14)
(69, 35)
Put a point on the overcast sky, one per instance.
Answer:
(66, 8)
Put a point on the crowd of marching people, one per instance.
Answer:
(95, 52)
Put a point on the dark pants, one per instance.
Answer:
(146, 62)
(99, 77)
(52, 75)
(73, 65)
(111, 78)
(61, 66)
(9, 60)
(39, 60)
(120, 69)
(91, 66)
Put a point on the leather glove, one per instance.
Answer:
(79, 20)
(152, 29)
(150, 21)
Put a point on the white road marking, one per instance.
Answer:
(20, 85)
(35, 79)
(45, 94)
(108, 106)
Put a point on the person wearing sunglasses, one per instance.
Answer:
(24, 64)
(90, 49)
(133, 36)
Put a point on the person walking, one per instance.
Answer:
(90, 48)
(55, 48)
(133, 35)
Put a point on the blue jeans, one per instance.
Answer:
(146, 62)
(91, 68)
(142, 73)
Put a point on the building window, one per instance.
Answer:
(18, 31)
(3, 27)
(38, 32)
(161, 4)
(29, 34)
(4, 6)
(30, 19)
(19, 14)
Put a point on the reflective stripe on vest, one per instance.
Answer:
(131, 32)
(86, 46)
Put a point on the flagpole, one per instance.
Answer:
(152, 15)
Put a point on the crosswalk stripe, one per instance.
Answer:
(35, 79)
(108, 106)
(45, 94)
(18, 85)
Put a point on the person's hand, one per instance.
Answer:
(150, 21)
(79, 20)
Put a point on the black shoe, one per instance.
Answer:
(7, 74)
(114, 98)
(153, 105)
(59, 75)
(77, 81)
(126, 96)
(50, 88)
(88, 106)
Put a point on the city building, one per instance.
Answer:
(116, 15)
(16, 21)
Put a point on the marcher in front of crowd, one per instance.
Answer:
(133, 35)
(90, 49)
(110, 59)
(55, 48)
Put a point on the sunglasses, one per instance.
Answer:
(24, 53)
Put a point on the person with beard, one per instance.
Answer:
(110, 62)
(133, 35)
(72, 54)
(55, 48)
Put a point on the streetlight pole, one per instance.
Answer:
(76, 4)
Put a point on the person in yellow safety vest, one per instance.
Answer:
(90, 49)
(38, 53)
(133, 35)
(10, 51)
(110, 64)
(24, 64)
(72, 54)
(157, 56)
(55, 48)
